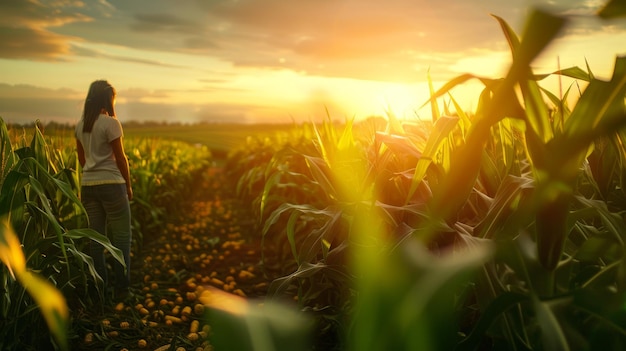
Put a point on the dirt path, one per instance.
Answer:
(213, 244)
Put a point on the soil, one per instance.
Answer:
(213, 246)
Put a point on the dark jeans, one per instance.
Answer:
(108, 209)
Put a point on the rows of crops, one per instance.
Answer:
(44, 223)
(499, 230)
(503, 229)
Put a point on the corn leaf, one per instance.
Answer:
(433, 102)
(51, 303)
(270, 183)
(318, 168)
(346, 140)
(306, 270)
(552, 334)
(449, 85)
(49, 300)
(600, 106)
(441, 130)
(572, 72)
(607, 308)
(291, 234)
(536, 111)
(401, 304)
(399, 144)
(242, 325)
(505, 203)
(90, 234)
(502, 303)
(509, 34)
(7, 156)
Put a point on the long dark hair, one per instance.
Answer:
(101, 95)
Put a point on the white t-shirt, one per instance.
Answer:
(100, 166)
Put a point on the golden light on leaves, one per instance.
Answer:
(218, 299)
(11, 251)
(50, 301)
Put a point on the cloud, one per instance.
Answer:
(27, 43)
(211, 112)
(27, 103)
(26, 29)
(394, 40)
(349, 38)
(163, 22)
(86, 52)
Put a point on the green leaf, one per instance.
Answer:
(540, 29)
(433, 102)
(319, 168)
(51, 303)
(572, 72)
(7, 156)
(466, 122)
(552, 334)
(509, 34)
(90, 234)
(536, 111)
(346, 140)
(600, 109)
(291, 234)
(449, 85)
(320, 144)
(605, 306)
(504, 205)
(270, 182)
(551, 223)
(12, 196)
(406, 304)
(48, 299)
(440, 132)
(595, 248)
(399, 144)
(501, 304)
(241, 325)
(41, 153)
(306, 270)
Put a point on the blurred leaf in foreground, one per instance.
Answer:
(50, 301)
(239, 324)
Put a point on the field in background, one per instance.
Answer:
(219, 138)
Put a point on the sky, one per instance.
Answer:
(255, 61)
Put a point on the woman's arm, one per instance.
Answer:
(81, 153)
(122, 164)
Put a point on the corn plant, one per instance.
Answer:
(538, 217)
(162, 173)
(532, 185)
(44, 232)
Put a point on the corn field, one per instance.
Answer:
(499, 229)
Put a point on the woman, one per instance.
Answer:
(105, 185)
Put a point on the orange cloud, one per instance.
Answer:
(26, 28)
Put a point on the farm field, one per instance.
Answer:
(219, 137)
(499, 229)
(211, 247)
(184, 251)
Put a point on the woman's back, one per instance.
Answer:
(100, 164)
